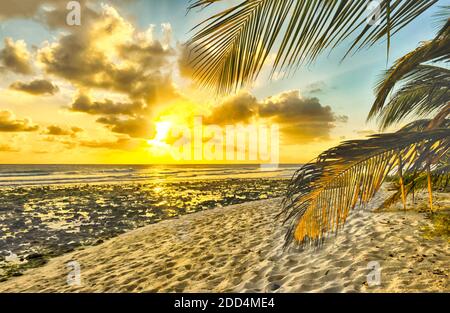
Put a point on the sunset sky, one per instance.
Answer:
(109, 91)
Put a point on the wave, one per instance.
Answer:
(80, 174)
(25, 173)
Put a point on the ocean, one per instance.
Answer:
(12, 175)
(48, 210)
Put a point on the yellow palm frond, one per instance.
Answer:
(323, 192)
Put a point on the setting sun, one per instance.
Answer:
(162, 131)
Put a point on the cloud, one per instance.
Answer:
(151, 55)
(111, 55)
(137, 127)
(316, 87)
(167, 34)
(15, 57)
(237, 109)
(300, 119)
(36, 87)
(28, 8)
(9, 123)
(55, 130)
(50, 12)
(186, 59)
(8, 148)
(83, 103)
(119, 144)
(56, 17)
(106, 53)
(290, 107)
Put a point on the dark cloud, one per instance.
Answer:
(15, 57)
(290, 107)
(55, 130)
(36, 87)
(137, 127)
(150, 55)
(83, 103)
(186, 58)
(119, 144)
(300, 119)
(139, 68)
(109, 54)
(52, 13)
(56, 17)
(61, 139)
(9, 123)
(27, 8)
(238, 109)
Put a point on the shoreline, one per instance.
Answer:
(39, 223)
(238, 248)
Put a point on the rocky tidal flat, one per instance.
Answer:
(40, 222)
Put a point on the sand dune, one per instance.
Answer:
(239, 249)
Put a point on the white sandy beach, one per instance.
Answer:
(240, 249)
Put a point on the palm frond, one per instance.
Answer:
(441, 16)
(440, 178)
(235, 43)
(231, 48)
(425, 92)
(436, 50)
(421, 125)
(322, 193)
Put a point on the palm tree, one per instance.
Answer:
(232, 46)
(323, 191)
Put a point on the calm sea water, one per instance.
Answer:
(69, 174)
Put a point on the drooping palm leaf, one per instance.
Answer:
(425, 92)
(440, 180)
(232, 46)
(423, 124)
(409, 67)
(322, 193)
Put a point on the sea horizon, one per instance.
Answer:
(49, 174)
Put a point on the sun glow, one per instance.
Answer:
(162, 131)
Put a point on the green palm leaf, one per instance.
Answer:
(409, 68)
(425, 92)
(232, 46)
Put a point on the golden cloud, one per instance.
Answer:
(55, 130)
(15, 57)
(35, 87)
(9, 123)
(301, 119)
